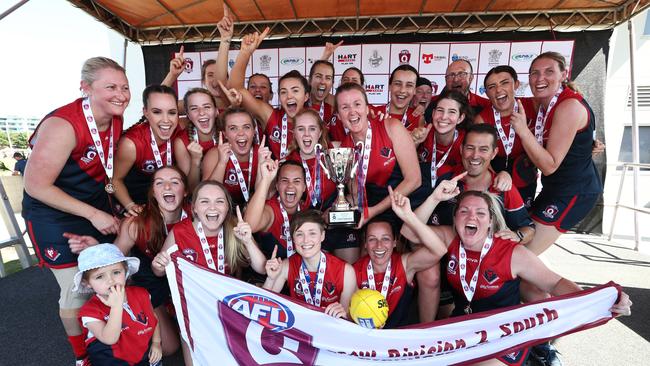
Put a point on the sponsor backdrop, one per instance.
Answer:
(227, 321)
(378, 60)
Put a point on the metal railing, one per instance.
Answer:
(633, 208)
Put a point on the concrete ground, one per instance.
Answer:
(32, 334)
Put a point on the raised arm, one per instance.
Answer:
(277, 271)
(258, 214)
(176, 66)
(569, 117)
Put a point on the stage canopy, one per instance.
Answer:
(170, 21)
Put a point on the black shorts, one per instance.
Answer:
(562, 212)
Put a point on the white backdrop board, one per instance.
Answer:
(377, 60)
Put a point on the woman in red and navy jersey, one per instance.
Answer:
(390, 272)
(402, 83)
(388, 155)
(317, 278)
(500, 86)
(293, 92)
(192, 143)
(560, 148)
(67, 179)
(143, 236)
(145, 148)
(499, 263)
(234, 161)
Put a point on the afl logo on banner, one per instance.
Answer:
(266, 311)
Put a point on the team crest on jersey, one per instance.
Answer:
(52, 254)
(142, 318)
(275, 134)
(452, 265)
(297, 287)
(329, 287)
(89, 154)
(149, 166)
(435, 220)
(424, 154)
(190, 254)
(231, 177)
(550, 211)
(333, 120)
(490, 276)
(385, 152)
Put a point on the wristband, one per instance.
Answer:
(520, 235)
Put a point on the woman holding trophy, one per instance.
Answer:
(386, 157)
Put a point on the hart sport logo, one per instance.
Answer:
(272, 314)
(348, 59)
(374, 89)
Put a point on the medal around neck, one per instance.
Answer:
(340, 165)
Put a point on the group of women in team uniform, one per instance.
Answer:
(237, 186)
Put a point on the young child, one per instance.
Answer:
(119, 324)
(315, 277)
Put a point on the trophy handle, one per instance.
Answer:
(356, 161)
(320, 157)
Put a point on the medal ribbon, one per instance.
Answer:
(470, 289)
(107, 161)
(434, 154)
(284, 130)
(156, 152)
(243, 185)
(206, 249)
(313, 190)
(371, 279)
(285, 228)
(542, 114)
(195, 137)
(305, 280)
(510, 141)
(361, 178)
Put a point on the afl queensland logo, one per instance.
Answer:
(189, 65)
(272, 314)
(404, 57)
(292, 61)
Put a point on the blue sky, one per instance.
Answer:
(44, 43)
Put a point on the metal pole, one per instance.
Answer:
(635, 135)
(618, 202)
(126, 44)
(13, 8)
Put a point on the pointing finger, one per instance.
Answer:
(182, 51)
(239, 218)
(459, 176)
(275, 252)
(223, 87)
(220, 138)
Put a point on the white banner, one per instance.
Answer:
(227, 321)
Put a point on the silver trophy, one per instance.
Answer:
(340, 165)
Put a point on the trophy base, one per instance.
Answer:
(347, 218)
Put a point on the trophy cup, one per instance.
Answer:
(340, 165)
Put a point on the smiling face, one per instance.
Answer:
(447, 116)
(290, 186)
(472, 221)
(202, 112)
(477, 153)
(321, 82)
(103, 278)
(352, 109)
(260, 87)
(168, 189)
(459, 76)
(500, 89)
(307, 239)
(292, 96)
(210, 82)
(162, 113)
(380, 243)
(240, 132)
(545, 79)
(211, 208)
(109, 94)
(402, 89)
(307, 133)
(422, 96)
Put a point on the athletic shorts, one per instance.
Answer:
(158, 287)
(527, 194)
(341, 238)
(52, 248)
(67, 298)
(562, 212)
